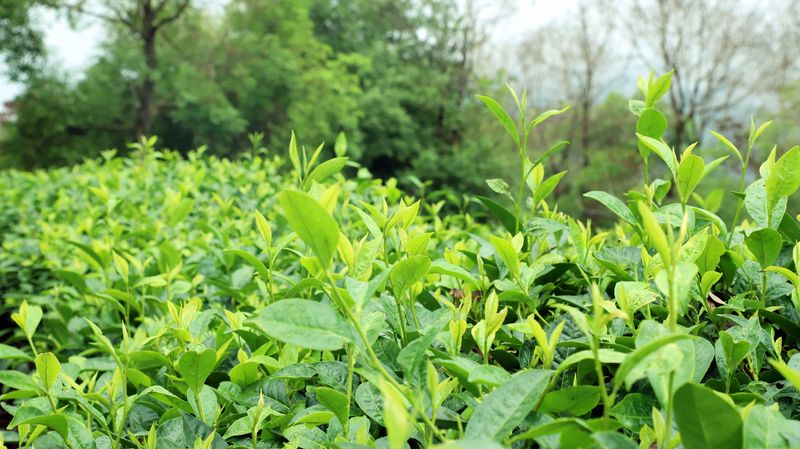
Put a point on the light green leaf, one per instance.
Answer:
(784, 177)
(408, 271)
(325, 170)
(546, 115)
(395, 416)
(507, 254)
(195, 367)
(690, 173)
(663, 151)
(312, 223)
(48, 368)
(729, 145)
(262, 269)
(502, 116)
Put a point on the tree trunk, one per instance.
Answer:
(145, 112)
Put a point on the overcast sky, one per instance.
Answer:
(73, 50)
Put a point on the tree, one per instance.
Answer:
(571, 60)
(143, 20)
(21, 46)
(719, 51)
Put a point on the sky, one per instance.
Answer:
(73, 50)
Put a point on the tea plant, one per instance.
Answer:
(158, 302)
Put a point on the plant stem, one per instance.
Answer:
(668, 412)
(352, 354)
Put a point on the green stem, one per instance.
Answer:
(668, 412)
(351, 364)
(401, 322)
(601, 382)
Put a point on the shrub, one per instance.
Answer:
(159, 302)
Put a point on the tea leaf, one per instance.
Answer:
(784, 178)
(195, 367)
(333, 401)
(502, 116)
(506, 407)
(407, 272)
(304, 323)
(312, 223)
(325, 170)
(628, 372)
(663, 151)
(705, 419)
(765, 244)
(48, 368)
(614, 204)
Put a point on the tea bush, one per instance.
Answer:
(159, 302)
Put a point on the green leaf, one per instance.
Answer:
(765, 244)
(690, 173)
(27, 318)
(48, 368)
(612, 440)
(634, 411)
(294, 155)
(340, 146)
(304, 323)
(407, 272)
(651, 123)
(577, 401)
(663, 151)
(755, 201)
(411, 357)
(507, 254)
(312, 223)
(765, 428)
(262, 269)
(11, 353)
(729, 145)
(264, 228)
(546, 115)
(729, 354)
(57, 423)
(502, 116)
(395, 416)
(614, 204)
(505, 408)
(558, 146)
(658, 88)
(792, 375)
(630, 371)
(506, 218)
(334, 401)
(607, 356)
(195, 367)
(705, 419)
(324, 170)
(657, 237)
(784, 177)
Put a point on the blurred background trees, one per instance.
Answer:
(398, 77)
